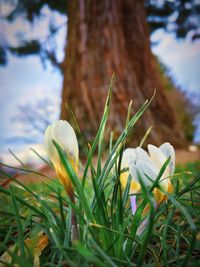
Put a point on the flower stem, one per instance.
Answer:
(74, 228)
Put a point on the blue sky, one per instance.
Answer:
(182, 57)
(27, 80)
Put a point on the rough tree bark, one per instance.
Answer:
(106, 37)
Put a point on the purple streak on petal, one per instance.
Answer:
(133, 204)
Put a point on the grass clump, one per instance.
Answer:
(36, 222)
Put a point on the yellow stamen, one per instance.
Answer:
(134, 186)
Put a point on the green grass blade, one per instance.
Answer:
(149, 227)
(145, 136)
(19, 224)
(75, 181)
(22, 201)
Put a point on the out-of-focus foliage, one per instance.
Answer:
(186, 110)
(31, 9)
(3, 58)
(31, 47)
(181, 17)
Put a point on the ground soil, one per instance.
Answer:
(184, 156)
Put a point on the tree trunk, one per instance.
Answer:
(106, 37)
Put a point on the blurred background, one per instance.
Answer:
(53, 52)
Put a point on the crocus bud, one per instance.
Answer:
(63, 134)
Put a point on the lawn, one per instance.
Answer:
(96, 222)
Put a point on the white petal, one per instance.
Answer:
(133, 172)
(48, 141)
(64, 135)
(164, 182)
(47, 137)
(168, 150)
(142, 154)
(49, 146)
(144, 168)
(157, 156)
(128, 157)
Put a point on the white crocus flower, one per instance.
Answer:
(143, 164)
(63, 134)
